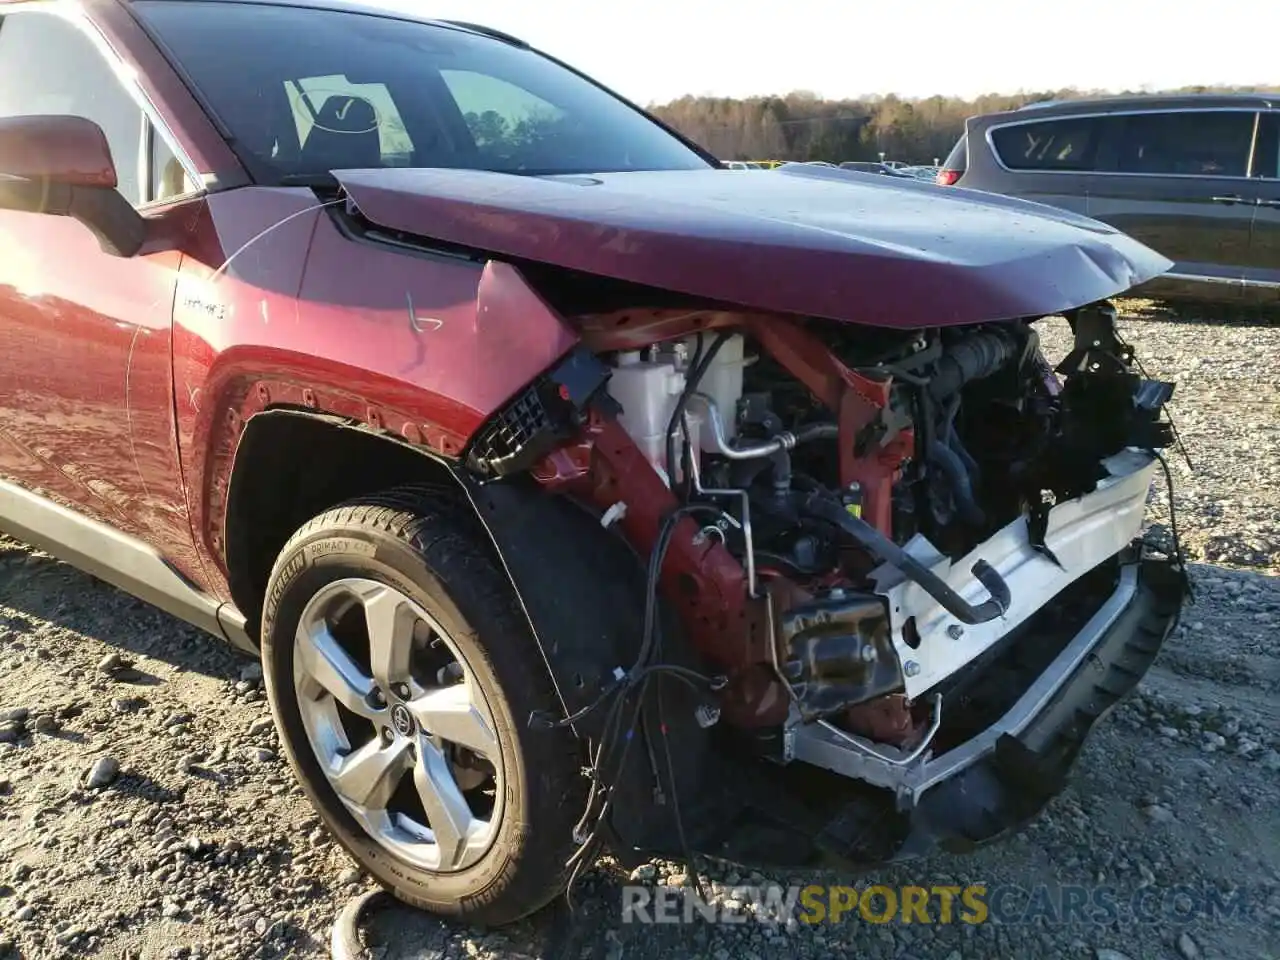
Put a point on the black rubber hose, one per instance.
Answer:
(816, 431)
(972, 358)
(885, 550)
(958, 480)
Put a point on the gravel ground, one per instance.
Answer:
(144, 811)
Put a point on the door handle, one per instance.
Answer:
(1269, 203)
(1232, 198)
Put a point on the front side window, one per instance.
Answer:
(1188, 143)
(169, 179)
(1065, 144)
(49, 67)
(306, 91)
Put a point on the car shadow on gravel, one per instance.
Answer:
(45, 589)
(1200, 314)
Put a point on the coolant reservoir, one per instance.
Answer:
(722, 382)
(648, 391)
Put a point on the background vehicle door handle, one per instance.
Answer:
(1229, 199)
(1269, 203)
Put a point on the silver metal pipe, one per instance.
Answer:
(754, 451)
(695, 474)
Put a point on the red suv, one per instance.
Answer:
(578, 494)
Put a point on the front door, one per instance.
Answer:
(86, 403)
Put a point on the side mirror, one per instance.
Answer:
(62, 166)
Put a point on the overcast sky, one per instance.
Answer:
(657, 50)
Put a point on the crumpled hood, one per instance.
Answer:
(806, 240)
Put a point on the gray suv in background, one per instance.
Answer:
(1196, 178)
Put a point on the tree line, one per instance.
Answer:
(803, 126)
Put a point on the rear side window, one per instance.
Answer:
(1065, 144)
(1189, 143)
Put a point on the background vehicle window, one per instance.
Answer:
(1050, 145)
(1266, 161)
(1203, 143)
(47, 66)
(398, 92)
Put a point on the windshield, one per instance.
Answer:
(304, 91)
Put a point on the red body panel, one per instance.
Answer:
(805, 240)
(86, 403)
(301, 315)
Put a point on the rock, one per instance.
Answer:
(10, 733)
(349, 877)
(1159, 813)
(644, 873)
(263, 755)
(251, 672)
(111, 663)
(103, 773)
(23, 914)
(170, 910)
(1106, 953)
(188, 763)
(1272, 761)
(261, 725)
(1188, 947)
(14, 715)
(1213, 741)
(46, 725)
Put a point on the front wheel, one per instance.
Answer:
(402, 673)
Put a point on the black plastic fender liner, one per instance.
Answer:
(581, 587)
(583, 590)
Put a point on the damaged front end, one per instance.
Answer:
(893, 577)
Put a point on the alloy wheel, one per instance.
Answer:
(399, 725)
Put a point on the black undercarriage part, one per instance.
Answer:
(839, 653)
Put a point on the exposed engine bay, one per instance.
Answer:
(852, 523)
